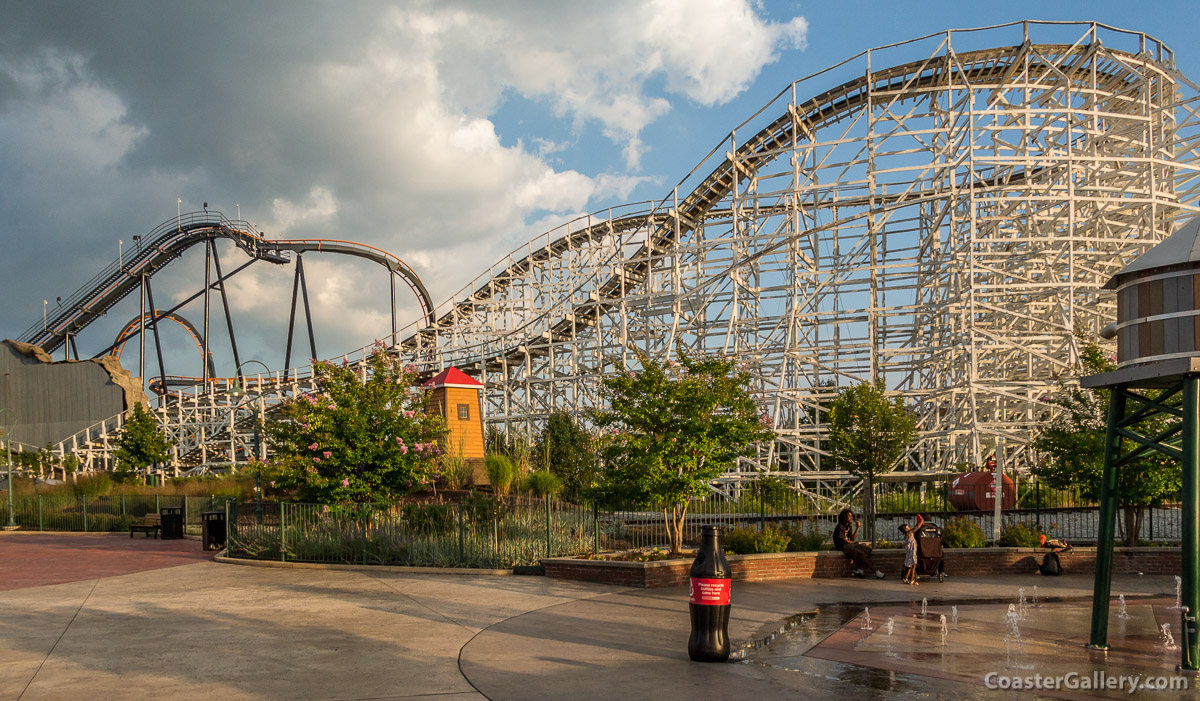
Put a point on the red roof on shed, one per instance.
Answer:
(452, 377)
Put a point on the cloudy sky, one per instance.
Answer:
(444, 132)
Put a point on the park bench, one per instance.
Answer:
(151, 523)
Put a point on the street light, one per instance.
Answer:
(237, 391)
(12, 523)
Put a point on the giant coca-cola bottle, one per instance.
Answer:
(708, 600)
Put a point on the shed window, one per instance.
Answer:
(464, 412)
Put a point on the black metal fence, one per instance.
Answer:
(484, 531)
(71, 512)
(500, 532)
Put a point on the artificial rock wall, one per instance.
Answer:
(49, 401)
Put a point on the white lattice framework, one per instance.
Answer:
(943, 223)
(940, 214)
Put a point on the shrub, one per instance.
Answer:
(962, 532)
(743, 541)
(483, 508)
(808, 537)
(93, 485)
(1020, 535)
(500, 472)
(429, 518)
(457, 472)
(542, 483)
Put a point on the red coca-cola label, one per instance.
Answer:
(708, 592)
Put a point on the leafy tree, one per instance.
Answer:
(673, 428)
(1072, 447)
(357, 438)
(868, 433)
(70, 464)
(565, 449)
(141, 446)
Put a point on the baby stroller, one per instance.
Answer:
(929, 551)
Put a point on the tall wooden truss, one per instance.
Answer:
(941, 214)
(943, 222)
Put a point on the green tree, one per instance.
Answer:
(673, 428)
(142, 445)
(357, 438)
(868, 433)
(565, 449)
(1072, 448)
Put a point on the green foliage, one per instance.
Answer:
(565, 448)
(70, 463)
(809, 536)
(494, 440)
(125, 475)
(775, 493)
(500, 472)
(673, 428)
(542, 483)
(357, 438)
(744, 541)
(429, 519)
(481, 508)
(495, 535)
(1020, 535)
(141, 444)
(962, 532)
(92, 485)
(907, 501)
(457, 472)
(654, 555)
(868, 433)
(1072, 446)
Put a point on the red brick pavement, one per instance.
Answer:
(34, 560)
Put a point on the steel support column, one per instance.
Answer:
(1107, 526)
(1190, 535)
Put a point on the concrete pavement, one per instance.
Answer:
(208, 630)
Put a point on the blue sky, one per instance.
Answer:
(447, 132)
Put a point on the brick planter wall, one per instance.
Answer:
(830, 564)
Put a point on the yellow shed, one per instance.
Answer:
(458, 398)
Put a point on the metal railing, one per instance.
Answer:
(484, 531)
(70, 512)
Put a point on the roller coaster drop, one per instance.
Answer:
(944, 223)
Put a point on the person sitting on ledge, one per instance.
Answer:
(1055, 545)
(857, 553)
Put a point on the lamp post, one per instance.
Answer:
(12, 523)
(238, 391)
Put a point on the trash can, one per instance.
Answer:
(212, 529)
(171, 518)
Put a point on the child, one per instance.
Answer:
(910, 554)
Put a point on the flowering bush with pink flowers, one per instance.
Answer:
(357, 439)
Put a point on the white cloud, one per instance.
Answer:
(319, 208)
(595, 63)
(370, 122)
(711, 50)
